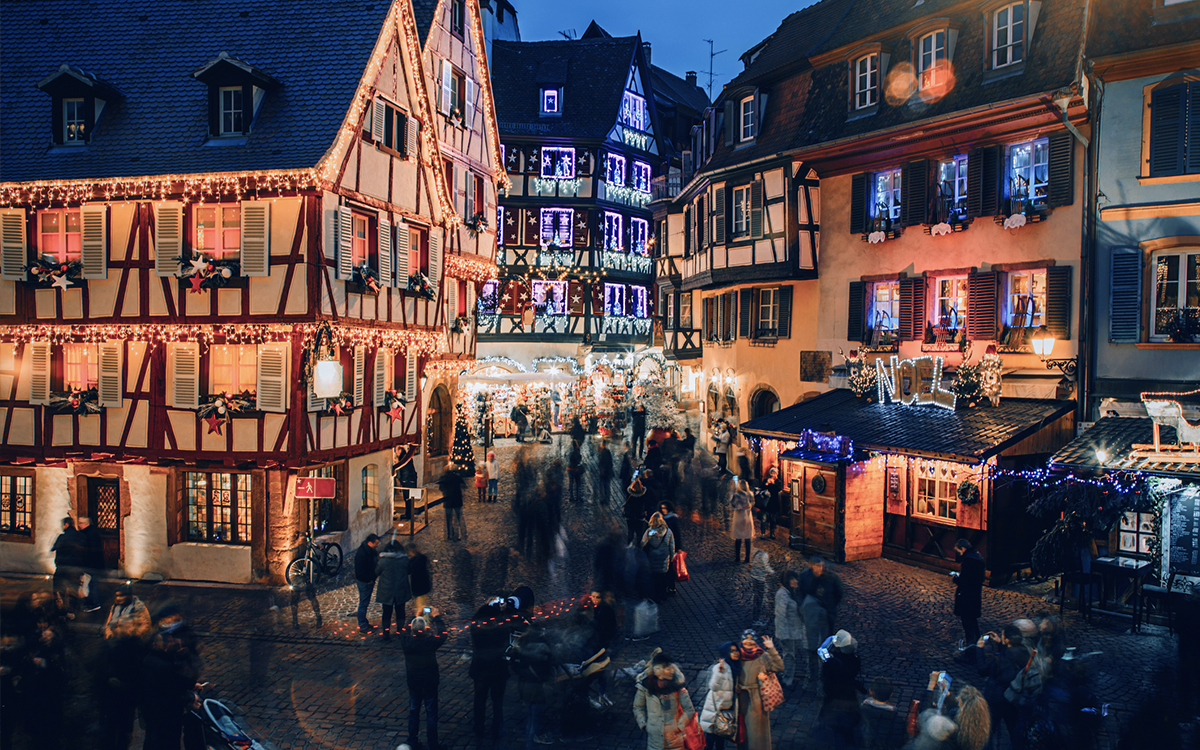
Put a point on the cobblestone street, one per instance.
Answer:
(307, 686)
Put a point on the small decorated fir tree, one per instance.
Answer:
(662, 410)
(462, 455)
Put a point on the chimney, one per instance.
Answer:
(690, 77)
(646, 51)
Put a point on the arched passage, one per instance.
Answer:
(441, 422)
(763, 402)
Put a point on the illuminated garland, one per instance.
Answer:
(192, 187)
(506, 361)
(469, 268)
(556, 186)
(437, 368)
(627, 195)
(555, 361)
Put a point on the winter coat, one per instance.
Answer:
(816, 622)
(758, 723)
(489, 641)
(788, 625)
(742, 525)
(721, 441)
(420, 654)
(656, 714)
(968, 596)
(673, 524)
(660, 548)
(493, 468)
(392, 569)
(420, 580)
(839, 674)
(827, 588)
(533, 667)
(70, 549)
(365, 560)
(604, 463)
(133, 618)
(720, 695)
(638, 418)
(93, 545)
(451, 485)
(761, 568)
(999, 669)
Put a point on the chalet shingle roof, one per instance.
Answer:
(798, 36)
(1117, 436)
(677, 89)
(592, 73)
(1128, 25)
(317, 52)
(968, 434)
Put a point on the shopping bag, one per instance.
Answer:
(693, 736)
(912, 725)
(645, 619)
(770, 690)
(679, 569)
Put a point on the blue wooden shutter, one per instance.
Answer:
(1125, 296)
(1193, 128)
(1168, 117)
(856, 311)
(1058, 300)
(1061, 191)
(858, 203)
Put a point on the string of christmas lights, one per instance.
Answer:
(469, 268)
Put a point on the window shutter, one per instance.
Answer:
(1168, 119)
(402, 268)
(730, 123)
(174, 507)
(39, 377)
(1193, 128)
(382, 379)
(1125, 296)
(360, 374)
(975, 183)
(914, 185)
(451, 300)
(94, 241)
(468, 183)
(856, 311)
(384, 253)
(756, 209)
(184, 362)
(983, 305)
(412, 131)
(435, 257)
(314, 403)
(992, 175)
(1058, 301)
(12, 244)
(575, 292)
(272, 393)
(378, 117)
(168, 237)
(912, 309)
(256, 238)
(746, 330)
(719, 216)
(785, 312)
(858, 203)
(468, 102)
(110, 383)
(447, 87)
(410, 376)
(581, 234)
(345, 245)
(1061, 191)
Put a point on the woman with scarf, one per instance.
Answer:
(661, 704)
(721, 679)
(755, 660)
(659, 544)
(741, 526)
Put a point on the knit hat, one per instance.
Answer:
(845, 642)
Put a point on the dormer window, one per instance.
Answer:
(236, 90)
(747, 118)
(231, 110)
(78, 100)
(74, 121)
(866, 81)
(1008, 35)
(931, 60)
(551, 101)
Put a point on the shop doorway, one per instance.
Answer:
(441, 421)
(814, 493)
(104, 508)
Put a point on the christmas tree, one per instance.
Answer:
(661, 408)
(462, 455)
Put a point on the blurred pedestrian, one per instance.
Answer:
(999, 658)
(421, 641)
(365, 559)
(760, 571)
(451, 485)
(492, 467)
(638, 420)
(756, 660)
(816, 630)
(661, 705)
(578, 434)
(878, 712)
(393, 590)
(575, 471)
(604, 618)
(789, 628)
(93, 563)
(119, 668)
(533, 666)
(721, 438)
(659, 544)
(968, 592)
(70, 550)
(129, 617)
(742, 524)
(821, 583)
(420, 579)
(519, 420)
(626, 473)
(635, 510)
(771, 509)
(170, 675)
(668, 513)
(839, 676)
(490, 633)
(604, 473)
(43, 684)
(720, 699)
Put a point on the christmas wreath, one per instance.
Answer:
(419, 283)
(342, 404)
(477, 223)
(46, 272)
(968, 493)
(204, 274)
(225, 405)
(76, 401)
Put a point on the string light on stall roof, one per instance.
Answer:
(1121, 481)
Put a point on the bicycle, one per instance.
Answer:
(318, 557)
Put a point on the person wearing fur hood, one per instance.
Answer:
(661, 704)
(720, 691)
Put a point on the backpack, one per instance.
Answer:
(1026, 686)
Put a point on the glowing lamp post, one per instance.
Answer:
(1043, 346)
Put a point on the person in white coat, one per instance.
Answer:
(789, 628)
(720, 693)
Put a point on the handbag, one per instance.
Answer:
(693, 736)
(912, 725)
(770, 691)
(645, 619)
(679, 569)
(724, 724)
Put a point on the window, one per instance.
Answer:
(685, 310)
(370, 477)
(633, 111)
(1138, 533)
(1176, 290)
(613, 231)
(418, 250)
(480, 204)
(461, 299)
(219, 231)
(614, 299)
(937, 498)
(16, 505)
(395, 129)
(741, 211)
(885, 305)
(551, 101)
(448, 175)
(639, 236)
(747, 109)
(1008, 35)
(931, 60)
(768, 312)
(952, 188)
(488, 297)
(558, 163)
(1027, 298)
(557, 226)
(668, 304)
(614, 169)
(887, 195)
(231, 110)
(218, 507)
(60, 235)
(639, 302)
(550, 297)
(641, 176)
(866, 81)
(82, 366)
(360, 240)
(232, 368)
(1029, 171)
(951, 310)
(327, 512)
(74, 121)
(458, 16)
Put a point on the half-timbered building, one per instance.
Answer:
(192, 238)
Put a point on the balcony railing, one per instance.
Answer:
(666, 186)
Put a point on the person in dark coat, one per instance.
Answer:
(654, 455)
(667, 509)
(626, 473)
(998, 659)
(520, 420)
(968, 593)
(533, 666)
(638, 420)
(119, 669)
(168, 683)
(93, 561)
(604, 472)
(819, 582)
(451, 485)
(70, 551)
(774, 486)
(490, 632)
(393, 591)
(421, 641)
(635, 509)
(420, 580)
(575, 472)
(839, 675)
(578, 434)
(364, 577)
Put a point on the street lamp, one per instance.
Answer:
(1043, 346)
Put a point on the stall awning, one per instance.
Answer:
(970, 435)
(1117, 436)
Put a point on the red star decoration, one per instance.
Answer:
(196, 281)
(395, 413)
(337, 408)
(214, 423)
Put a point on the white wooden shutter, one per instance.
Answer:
(468, 101)
(360, 374)
(94, 241)
(168, 237)
(447, 74)
(382, 379)
(256, 238)
(378, 125)
(12, 244)
(435, 256)
(460, 190)
(314, 403)
(184, 362)
(411, 133)
(410, 376)
(110, 381)
(468, 194)
(402, 255)
(39, 378)
(272, 393)
(345, 246)
(451, 300)
(385, 250)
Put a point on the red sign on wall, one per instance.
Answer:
(308, 488)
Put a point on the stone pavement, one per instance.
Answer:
(302, 685)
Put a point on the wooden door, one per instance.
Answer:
(820, 490)
(104, 508)
(796, 531)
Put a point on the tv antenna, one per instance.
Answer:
(568, 34)
(711, 55)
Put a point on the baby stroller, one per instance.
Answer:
(219, 728)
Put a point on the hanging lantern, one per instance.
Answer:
(327, 378)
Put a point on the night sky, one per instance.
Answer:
(675, 28)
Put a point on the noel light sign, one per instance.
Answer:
(904, 382)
